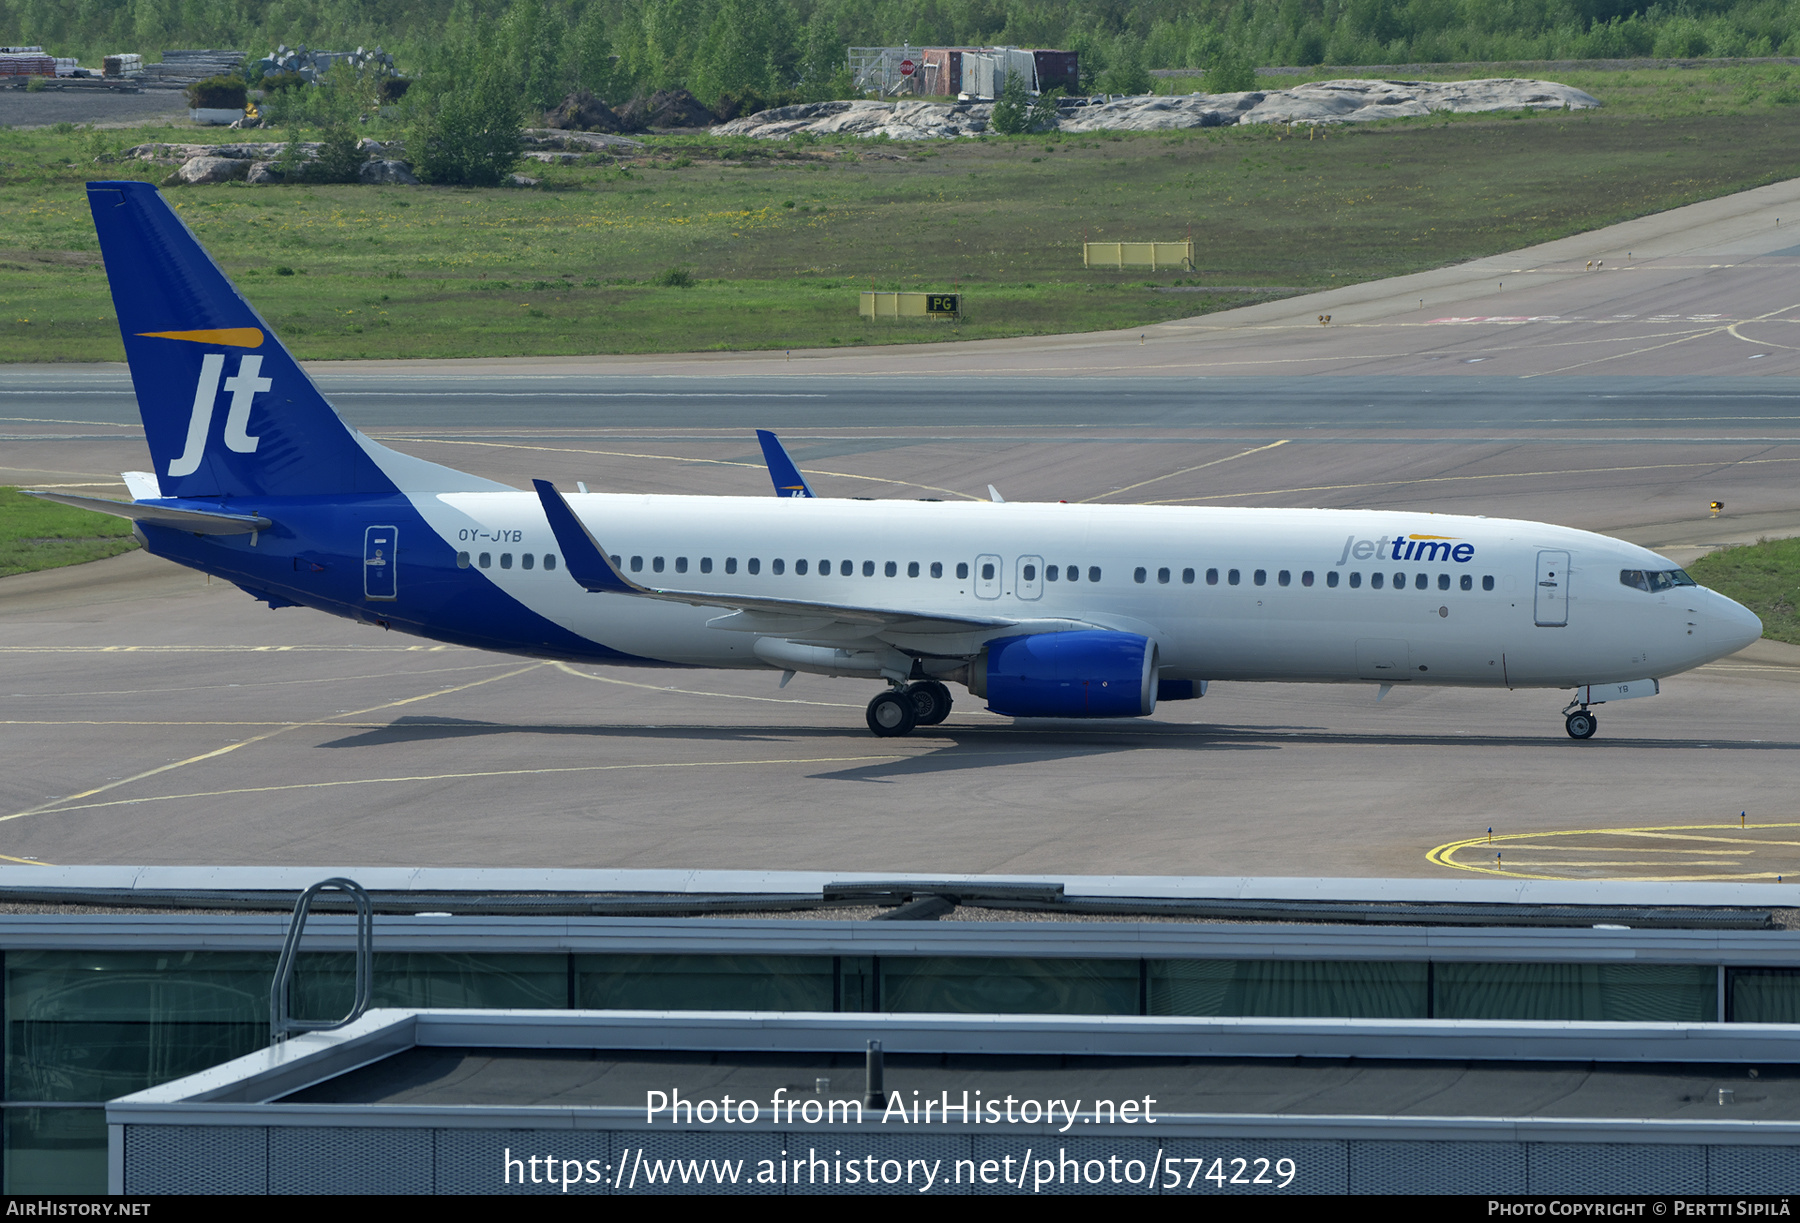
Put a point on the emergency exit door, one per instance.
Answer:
(380, 548)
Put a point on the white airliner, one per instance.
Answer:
(1041, 610)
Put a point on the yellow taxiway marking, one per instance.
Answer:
(1495, 863)
(1719, 464)
(377, 781)
(61, 803)
(673, 458)
(1185, 470)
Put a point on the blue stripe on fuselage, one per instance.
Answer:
(436, 599)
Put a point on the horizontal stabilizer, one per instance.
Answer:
(200, 522)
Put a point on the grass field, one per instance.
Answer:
(1765, 577)
(43, 535)
(779, 237)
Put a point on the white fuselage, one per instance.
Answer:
(1506, 625)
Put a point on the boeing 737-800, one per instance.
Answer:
(1042, 610)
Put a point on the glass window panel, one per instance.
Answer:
(868, 569)
(846, 568)
(1093, 573)
(962, 569)
(1139, 575)
(937, 569)
(1187, 577)
(56, 1150)
(893, 570)
(912, 569)
(800, 568)
(527, 560)
(681, 564)
(705, 564)
(550, 562)
(731, 564)
(1331, 578)
(1260, 577)
(1012, 986)
(324, 984)
(1306, 577)
(1764, 995)
(462, 560)
(1678, 993)
(777, 566)
(1341, 989)
(506, 560)
(656, 564)
(703, 982)
(97, 1025)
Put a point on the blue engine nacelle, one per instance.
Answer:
(1086, 674)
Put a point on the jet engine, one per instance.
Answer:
(1091, 673)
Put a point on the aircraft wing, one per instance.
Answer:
(588, 562)
(184, 518)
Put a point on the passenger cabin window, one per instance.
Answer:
(1093, 573)
(681, 564)
(1468, 581)
(846, 568)
(753, 565)
(868, 569)
(800, 568)
(1139, 574)
(777, 566)
(1162, 575)
(486, 560)
(1421, 581)
(462, 560)
(1030, 573)
(825, 568)
(1487, 582)
(1231, 576)
(892, 569)
(1306, 578)
(705, 564)
(1376, 580)
(1331, 578)
(526, 560)
(1212, 577)
(937, 569)
(1283, 578)
(549, 560)
(656, 564)
(1260, 577)
(962, 569)
(1443, 581)
(1355, 580)
(506, 560)
(731, 564)
(987, 572)
(1050, 573)
(637, 564)
(1187, 577)
(912, 569)
(1399, 581)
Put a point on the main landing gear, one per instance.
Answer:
(895, 712)
(1581, 723)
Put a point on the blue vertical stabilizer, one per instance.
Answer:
(227, 410)
(782, 469)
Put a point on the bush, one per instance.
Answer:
(1010, 115)
(468, 136)
(676, 278)
(1231, 71)
(217, 93)
(338, 159)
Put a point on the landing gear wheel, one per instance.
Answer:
(891, 715)
(931, 701)
(1581, 724)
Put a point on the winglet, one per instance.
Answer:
(788, 480)
(585, 559)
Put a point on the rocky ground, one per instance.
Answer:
(1348, 101)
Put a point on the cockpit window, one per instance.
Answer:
(1653, 580)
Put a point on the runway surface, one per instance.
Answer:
(151, 717)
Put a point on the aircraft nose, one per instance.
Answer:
(1730, 626)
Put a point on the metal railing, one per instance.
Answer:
(281, 1022)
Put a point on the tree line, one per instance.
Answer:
(783, 50)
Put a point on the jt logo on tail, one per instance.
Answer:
(244, 386)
